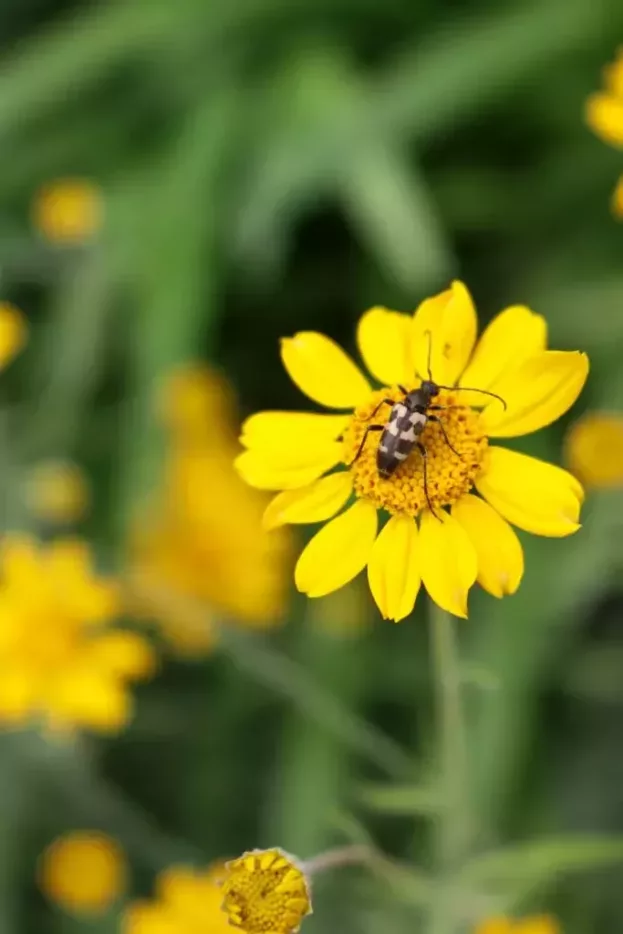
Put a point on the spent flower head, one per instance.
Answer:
(604, 115)
(59, 660)
(83, 872)
(439, 532)
(266, 892)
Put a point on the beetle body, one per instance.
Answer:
(407, 421)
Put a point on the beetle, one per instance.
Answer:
(407, 420)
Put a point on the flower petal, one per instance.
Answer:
(276, 430)
(12, 332)
(323, 371)
(513, 335)
(448, 561)
(444, 329)
(314, 503)
(269, 470)
(338, 552)
(532, 494)
(537, 392)
(384, 340)
(122, 654)
(499, 551)
(604, 115)
(394, 569)
(594, 449)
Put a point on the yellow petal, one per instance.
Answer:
(513, 335)
(494, 926)
(604, 115)
(124, 654)
(277, 430)
(617, 199)
(314, 503)
(537, 924)
(384, 340)
(499, 551)
(12, 332)
(532, 494)
(323, 371)
(446, 325)
(448, 561)
(594, 449)
(537, 392)
(297, 469)
(338, 552)
(394, 568)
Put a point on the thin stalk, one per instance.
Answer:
(452, 828)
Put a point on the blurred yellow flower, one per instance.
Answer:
(186, 900)
(539, 924)
(12, 332)
(58, 659)
(266, 891)
(604, 115)
(594, 449)
(83, 872)
(57, 492)
(449, 550)
(68, 210)
(202, 539)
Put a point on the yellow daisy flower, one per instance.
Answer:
(83, 872)
(202, 538)
(594, 449)
(186, 900)
(58, 659)
(12, 332)
(461, 537)
(68, 211)
(604, 115)
(540, 924)
(266, 892)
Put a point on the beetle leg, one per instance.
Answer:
(424, 454)
(364, 439)
(433, 418)
(372, 414)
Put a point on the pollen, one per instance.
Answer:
(265, 892)
(450, 473)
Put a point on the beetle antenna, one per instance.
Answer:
(430, 353)
(485, 392)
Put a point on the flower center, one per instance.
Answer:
(265, 892)
(449, 473)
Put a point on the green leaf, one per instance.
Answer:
(400, 800)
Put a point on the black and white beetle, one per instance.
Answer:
(407, 420)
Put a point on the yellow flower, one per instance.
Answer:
(203, 540)
(57, 492)
(68, 210)
(450, 550)
(12, 332)
(83, 872)
(594, 449)
(266, 892)
(604, 115)
(539, 924)
(58, 659)
(186, 900)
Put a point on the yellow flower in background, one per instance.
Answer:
(57, 492)
(202, 539)
(83, 872)
(594, 449)
(186, 900)
(12, 332)
(604, 115)
(266, 891)
(540, 924)
(68, 210)
(461, 537)
(59, 661)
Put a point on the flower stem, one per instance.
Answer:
(353, 855)
(452, 831)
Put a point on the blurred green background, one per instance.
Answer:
(270, 166)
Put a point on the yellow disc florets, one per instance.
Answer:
(449, 475)
(265, 891)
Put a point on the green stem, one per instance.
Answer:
(452, 830)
